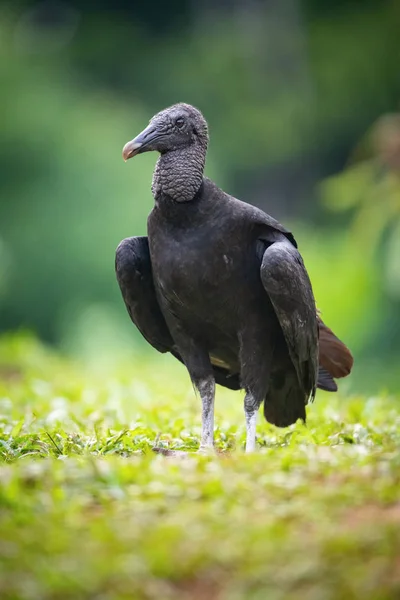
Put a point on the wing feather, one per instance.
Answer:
(135, 279)
(134, 275)
(288, 286)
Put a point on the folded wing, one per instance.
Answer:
(135, 279)
(288, 286)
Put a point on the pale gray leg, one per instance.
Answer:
(251, 407)
(251, 421)
(206, 389)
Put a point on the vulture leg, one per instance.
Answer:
(198, 364)
(207, 393)
(251, 410)
(256, 354)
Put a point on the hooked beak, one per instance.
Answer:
(141, 143)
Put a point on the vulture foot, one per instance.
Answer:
(207, 451)
(171, 453)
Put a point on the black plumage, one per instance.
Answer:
(222, 286)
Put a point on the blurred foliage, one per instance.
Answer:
(316, 510)
(369, 189)
(288, 88)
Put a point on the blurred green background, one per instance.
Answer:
(301, 99)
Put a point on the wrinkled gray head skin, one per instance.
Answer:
(180, 134)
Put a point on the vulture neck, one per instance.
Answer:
(179, 173)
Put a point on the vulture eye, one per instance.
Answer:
(180, 122)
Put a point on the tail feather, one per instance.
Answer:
(285, 402)
(326, 381)
(334, 356)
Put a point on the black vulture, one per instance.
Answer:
(220, 284)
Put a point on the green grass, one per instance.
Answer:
(87, 510)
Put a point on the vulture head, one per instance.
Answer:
(178, 127)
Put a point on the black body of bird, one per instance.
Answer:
(222, 286)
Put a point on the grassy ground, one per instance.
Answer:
(87, 510)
